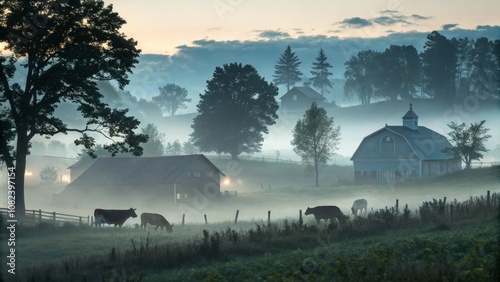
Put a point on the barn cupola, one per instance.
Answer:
(410, 119)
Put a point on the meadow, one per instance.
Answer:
(412, 242)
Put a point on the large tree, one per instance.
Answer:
(286, 70)
(468, 141)
(172, 97)
(315, 138)
(398, 72)
(235, 111)
(320, 73)
(63, 48)
(360, 74)
(439, 67)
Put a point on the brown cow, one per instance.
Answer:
(326, 212)
(155, 219)
(116, 217)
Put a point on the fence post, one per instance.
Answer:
(40, 215)
(236, 217)
(397, 206)
(268, 217)
(488, 200)
(206, 221)
(80, 221)
(92, 221)
(54, 216)
(33, 214)
(300, 218)
(183, 216)
(451, 212)
(88, 219)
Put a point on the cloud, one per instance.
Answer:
(273, 34)
(387, 18)
(449, 26)
(355, 23)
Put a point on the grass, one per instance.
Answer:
(382, 246)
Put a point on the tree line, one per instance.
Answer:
(447, 69)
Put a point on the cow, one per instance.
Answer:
(116, 217)
(359, 205)
(155, 219)
(326, 212)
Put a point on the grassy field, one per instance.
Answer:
(288, 249)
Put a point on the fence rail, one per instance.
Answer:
(38, 216)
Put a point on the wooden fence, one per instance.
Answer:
(38, 216)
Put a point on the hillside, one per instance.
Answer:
(358, 121)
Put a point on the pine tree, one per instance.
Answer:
(286, 70)
(320, 73)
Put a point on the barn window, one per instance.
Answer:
(197, 174)
(387, 148)
(295, 97)
(209, 174)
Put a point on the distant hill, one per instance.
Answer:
(358, 121)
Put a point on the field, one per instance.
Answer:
(388, 244)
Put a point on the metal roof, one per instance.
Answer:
(306, 91)
(137, 170)
(427, 144)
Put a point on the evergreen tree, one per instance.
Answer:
(321, 73)
(439, 65)
(286, 70)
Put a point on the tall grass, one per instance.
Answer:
(431, 261)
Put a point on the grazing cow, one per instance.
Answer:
(359, 205)
(155, 219)
(116, 217)
(326, 212)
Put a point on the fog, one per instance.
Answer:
(283, 192)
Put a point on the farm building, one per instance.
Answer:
(300, 98)
(393, 153)
(170, 178)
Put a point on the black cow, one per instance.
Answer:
(155, 219)
(359, 205)
(326, 212)
(116, 217)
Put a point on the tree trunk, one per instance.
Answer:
(22, 150)
(316, 170)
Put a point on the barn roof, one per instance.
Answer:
(137, 170)
(427, 144)
(306, 91)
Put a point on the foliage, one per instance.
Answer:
(49, 174)
(173, 148)
(286, 70)
(360, 74)
(65, 48)
(172, 97)
(154, 147)
(320, 72)
(439, 66)
(398, 72)
(314, 138)
(235, 111)
(468, 141)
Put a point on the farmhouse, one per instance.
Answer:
(393, 153)
(172, 178)
(300, 98)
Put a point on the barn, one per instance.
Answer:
(300, 98)
(395, 153)
(170, 178)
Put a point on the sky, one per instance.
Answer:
(161, 26)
